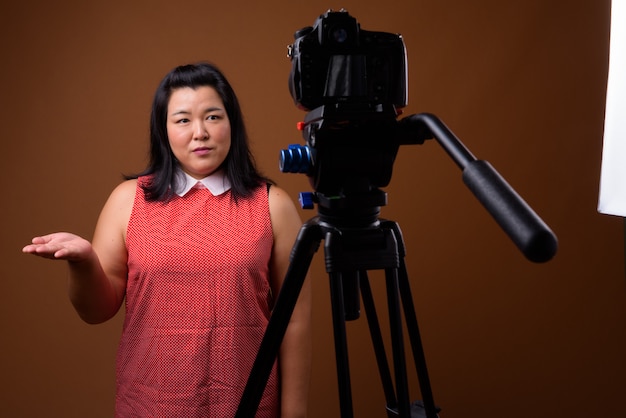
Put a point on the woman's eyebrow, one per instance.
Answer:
(188, 112)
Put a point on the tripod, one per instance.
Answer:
(356, 241)
(353, 246)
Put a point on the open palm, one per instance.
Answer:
(60, 246)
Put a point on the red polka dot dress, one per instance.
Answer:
(197, 305)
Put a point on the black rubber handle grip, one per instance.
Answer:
(529, 233)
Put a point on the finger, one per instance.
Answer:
(38, 253)
(62, 254)
(40, 240)
(32, 248)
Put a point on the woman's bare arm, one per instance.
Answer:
(98, 269)
(295, 352)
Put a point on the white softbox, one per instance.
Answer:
(612, 199)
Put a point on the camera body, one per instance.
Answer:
(352, 83)
(334, 61)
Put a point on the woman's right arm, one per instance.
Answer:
(98, 270)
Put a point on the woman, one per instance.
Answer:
(197, 245)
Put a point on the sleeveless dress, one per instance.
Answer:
(198, 301)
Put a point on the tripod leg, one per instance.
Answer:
(416, 342)
(341, 345)
(411, 322)
(395, 321)
(302, 254)
(377, 342)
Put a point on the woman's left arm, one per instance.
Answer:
(295, 351)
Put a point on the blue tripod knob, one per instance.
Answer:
(306, 200)
(295, 159)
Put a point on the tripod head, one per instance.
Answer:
(347, 157)
(352, 83)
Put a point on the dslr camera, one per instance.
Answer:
(351, 82)
(335, 61)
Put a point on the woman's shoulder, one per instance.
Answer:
(126, 188)
(117, 209)
(282, 207)
(123, 195)
(278, 196)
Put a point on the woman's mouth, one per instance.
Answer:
(202, 151)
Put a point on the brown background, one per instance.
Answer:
(522, 83)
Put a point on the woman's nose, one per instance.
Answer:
(200, 131)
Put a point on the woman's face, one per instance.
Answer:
(198, 130)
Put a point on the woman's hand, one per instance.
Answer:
(60, 246)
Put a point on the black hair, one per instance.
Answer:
(239, 165)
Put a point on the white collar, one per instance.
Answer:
(217, 183)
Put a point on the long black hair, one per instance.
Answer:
(239, 165)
